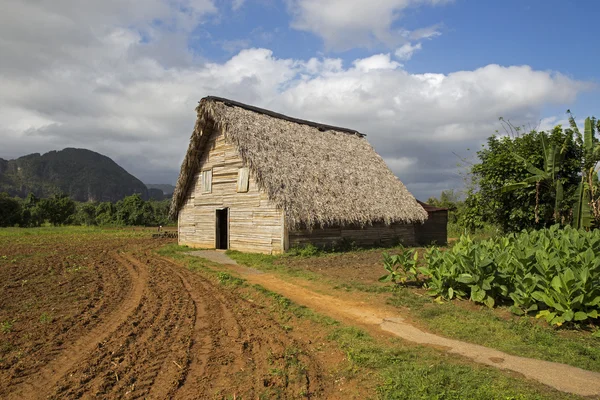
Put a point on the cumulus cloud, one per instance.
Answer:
(111, 88)
(406, 51)
(345, 24)
(378, 61)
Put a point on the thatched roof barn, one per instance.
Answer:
(300, 178)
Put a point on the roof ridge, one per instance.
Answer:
(319, 126)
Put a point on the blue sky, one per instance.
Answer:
(424, 79)
(544, 34)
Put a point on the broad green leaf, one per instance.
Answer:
(532, 307)
(544, 298)
(582, 213)
(514, 186)
(568, 315)
(465, 278)
(580, 316)
(588, 138)
(477, 294)
(568, 277)
(557, 284)
(489, 301)
(516, 310)
(595, 302)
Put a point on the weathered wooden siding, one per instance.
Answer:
(374, 235)
(255, 224)
(434, 230)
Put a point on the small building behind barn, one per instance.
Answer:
(435, 229)
(257, 181)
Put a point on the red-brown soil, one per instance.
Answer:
(105, 317)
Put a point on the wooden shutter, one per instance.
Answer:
(242, 182)
(207, 181)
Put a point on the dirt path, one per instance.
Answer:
(178, 335)
(559, 376)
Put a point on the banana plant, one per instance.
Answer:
(585, 209)
(549, 176)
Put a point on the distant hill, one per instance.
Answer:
(165, 188)
(82, 174)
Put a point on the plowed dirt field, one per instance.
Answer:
(103, 316)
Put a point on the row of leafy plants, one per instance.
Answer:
(62, 210)
(553, 273)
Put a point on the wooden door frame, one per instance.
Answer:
(218, 244)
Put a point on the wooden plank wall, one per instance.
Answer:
(375, 235)
(255, 224)
(434, 230)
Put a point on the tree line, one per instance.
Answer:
(62, 210)
(531, 180)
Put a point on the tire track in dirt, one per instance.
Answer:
(238, 350)
(146, 356)
(202, 343)
(49, 375)
(176, 334)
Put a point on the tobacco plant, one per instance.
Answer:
(400, 267)
(554, 273)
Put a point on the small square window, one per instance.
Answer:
(242, 182)
(207, 181)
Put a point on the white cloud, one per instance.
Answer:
(345, 24)
(425, 33)
(237, 4)
(378, 61)
(113, 89)
(406, 51)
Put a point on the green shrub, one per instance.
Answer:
(400, 267)
(308, 250)
(552, 272)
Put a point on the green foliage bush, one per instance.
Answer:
(308, 250)
(500, 165)
(401, 267)
(62, 210)
(554, 272)
(10, 210)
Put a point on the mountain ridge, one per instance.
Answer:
(82, 174)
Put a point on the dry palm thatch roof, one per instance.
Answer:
(320, 175)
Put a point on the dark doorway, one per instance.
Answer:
(222, 229)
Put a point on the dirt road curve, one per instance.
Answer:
(174, 334)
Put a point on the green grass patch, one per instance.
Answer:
(270, 263)
(496, 328)
(227, 279)
(414, 372)
(173, 250)
(115, 232)
(364, 287)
